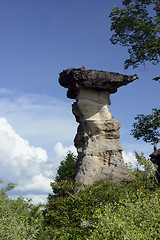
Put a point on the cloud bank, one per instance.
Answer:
(30, 126)
(23, 164)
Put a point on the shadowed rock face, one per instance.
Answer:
(97, 138)
(155, 158)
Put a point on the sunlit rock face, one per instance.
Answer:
(97, 138)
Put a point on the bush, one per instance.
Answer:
(19, 219)
(105, 210)
(145, 169)
(129, 218)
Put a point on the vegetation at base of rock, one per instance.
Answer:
(145, 169)
(19, 218)
(106, 210)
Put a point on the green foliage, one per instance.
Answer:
(147, 127)
(9, 187)
(105, 210)
(149, 169)
(19, 219)
(131, 218)
(145, 169)
(66, 168)
(137, 26)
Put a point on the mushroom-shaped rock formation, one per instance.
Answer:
(97, 139)
(78, 78)
(155, 158)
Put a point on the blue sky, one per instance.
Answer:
(38, 40)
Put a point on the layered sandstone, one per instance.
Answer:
(97, 139)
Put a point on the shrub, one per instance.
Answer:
(83, 214)
(19, 219)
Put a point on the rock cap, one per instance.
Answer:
(78, 78)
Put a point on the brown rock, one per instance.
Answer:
(97, 139)
(74, 79)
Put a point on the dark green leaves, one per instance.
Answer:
(137, 26)
(147, 127)
(67, 167)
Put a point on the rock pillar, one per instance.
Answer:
(97, 138)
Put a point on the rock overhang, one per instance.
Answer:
(78, 78)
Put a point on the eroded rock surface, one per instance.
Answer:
(97, 139)
(78, 78)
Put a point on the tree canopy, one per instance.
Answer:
(67, 167)
(137, 26)
(147, 127)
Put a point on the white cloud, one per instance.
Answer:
(23, 164)
(14, 147)
(61, 151)
(129, 158)
(42, 120)
(39, 118)
(38, 182)
(36, 198)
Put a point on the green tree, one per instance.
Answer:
(147, 127)
(64, 177)
(19, 219)
(144, 170)
(67, 167)
(137, 26)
